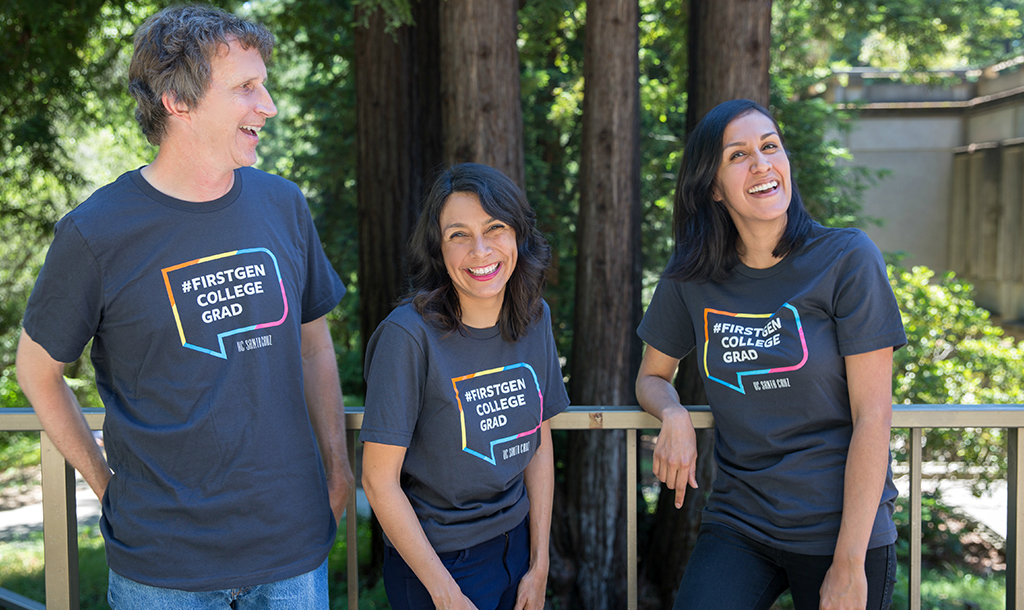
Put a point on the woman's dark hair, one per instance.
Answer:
(705, 234)
(431, 289)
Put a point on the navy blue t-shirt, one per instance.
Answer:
(468, 408)
(771, 345)
(195, 313)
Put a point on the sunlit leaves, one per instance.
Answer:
(954, 354)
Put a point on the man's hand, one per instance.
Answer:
(340, 487)
(42, 380)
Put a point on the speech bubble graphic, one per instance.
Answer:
(744, 344)
(499, 407)
(223, 295)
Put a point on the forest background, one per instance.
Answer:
(585, 104)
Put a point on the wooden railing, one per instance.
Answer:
(60, 539)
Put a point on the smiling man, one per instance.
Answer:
(203, 287)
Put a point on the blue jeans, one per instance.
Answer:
(303, 592)
(488, 573)
(729, 571)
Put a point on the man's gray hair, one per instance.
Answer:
(173, 50)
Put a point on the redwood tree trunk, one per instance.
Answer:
(483, 120)
(605, 348)
(398, 140)
(728, 58)
(729, 46)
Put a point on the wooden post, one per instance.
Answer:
(60, 528)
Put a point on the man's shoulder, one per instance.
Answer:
(107, 198)
(266, 181)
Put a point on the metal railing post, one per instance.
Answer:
(914, 579)
(60, 528)
(1014, 521)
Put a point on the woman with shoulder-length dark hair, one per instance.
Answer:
(795, 326)
(462, 379)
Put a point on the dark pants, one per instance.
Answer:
(488, 573)
(728, 571)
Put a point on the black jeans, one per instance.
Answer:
(728, 571)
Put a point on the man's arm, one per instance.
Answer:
(42, 380)
(326, 410)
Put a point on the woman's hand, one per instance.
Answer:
(532, 589)
(844, 588)
(452, 598)
(675, 454)
(382, 466)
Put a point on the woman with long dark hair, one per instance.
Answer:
(795, 326)
(461, 381)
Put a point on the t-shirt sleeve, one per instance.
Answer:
(395, 372)
(556, 399)
(666, 325)
(866, 313)
(323, 289)
(66, 305)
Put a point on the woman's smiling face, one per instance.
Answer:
(479, 253)
(753, 180)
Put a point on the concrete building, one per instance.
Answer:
(955, 197)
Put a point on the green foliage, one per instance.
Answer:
(21, 568)
(954, 354)
(398, 12)
(906, 35)
(18, 450)
(551, 58)
(312, 142)
(663, 67)
(831, 186)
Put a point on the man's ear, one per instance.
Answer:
(174, 106)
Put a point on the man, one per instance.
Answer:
(203, 287)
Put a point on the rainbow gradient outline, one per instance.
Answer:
(739, 376)
(220, 336)
(462, 414)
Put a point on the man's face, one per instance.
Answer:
(227, 120)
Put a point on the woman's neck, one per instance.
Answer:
(756, 244)
(479, 315)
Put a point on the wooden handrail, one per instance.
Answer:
(60, 542)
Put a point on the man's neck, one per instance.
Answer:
(182, 176)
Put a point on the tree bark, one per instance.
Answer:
(728, 58)
(605, 350)
(729, 46)
(399, 145)
(397, 135)
(483, 120)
